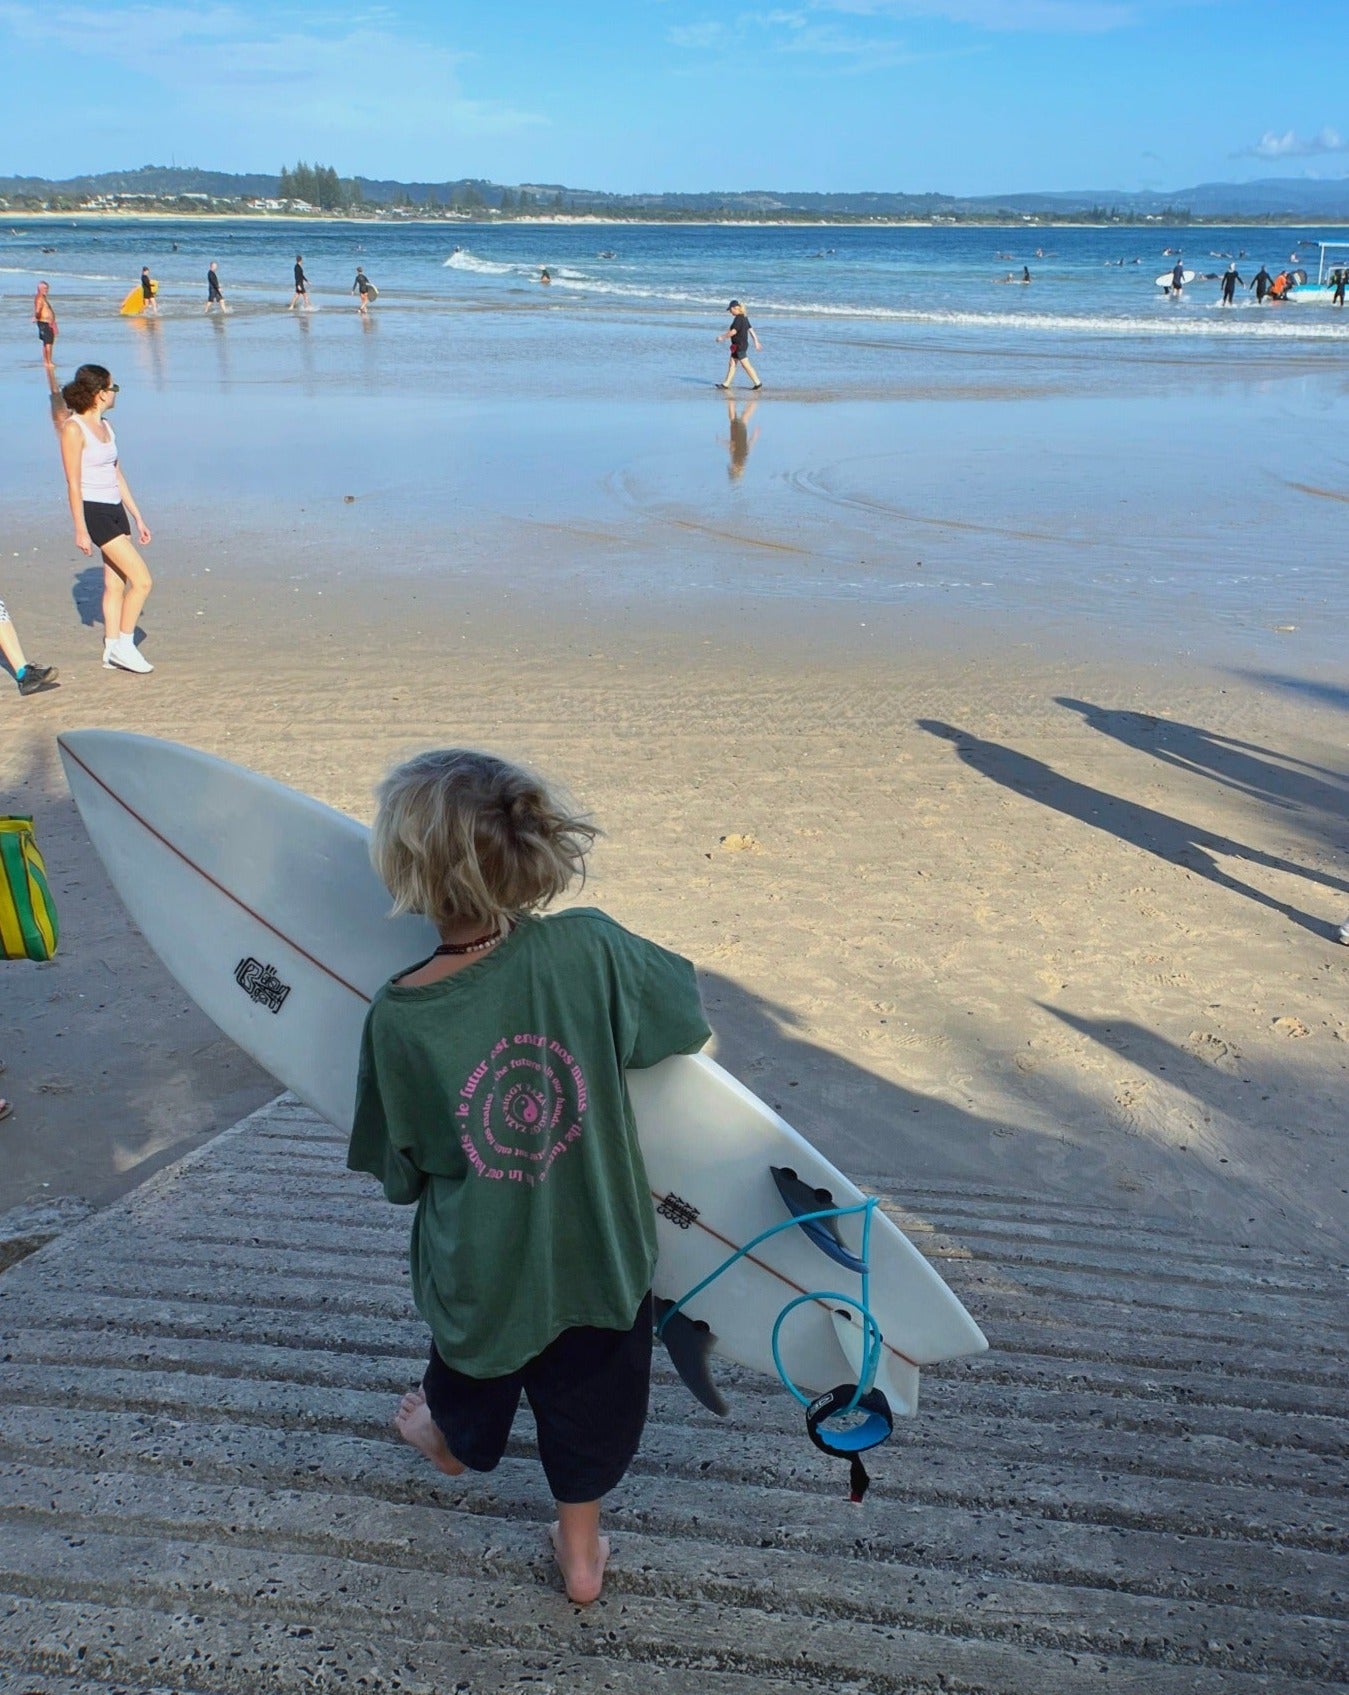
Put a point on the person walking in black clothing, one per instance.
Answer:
(740, 334)
(1230, 281)
(214, 297)
(147, 291)
(1338, 280)
(363, 287)
(301, 296)
(1260, 283)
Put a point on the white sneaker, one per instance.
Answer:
(123, 655)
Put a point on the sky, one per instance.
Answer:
(959, 96)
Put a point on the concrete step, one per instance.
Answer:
(1019, 1454)
(799, 1579)
(1135, 1491)
(717, 1622)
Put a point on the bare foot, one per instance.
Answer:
(582, 1572)
(414, 1424)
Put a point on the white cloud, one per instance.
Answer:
(869, 40)
(1290, 145)
(316, 81)
(1045, 17)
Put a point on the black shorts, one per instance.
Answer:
(105, 523)
(46, 333)
(739, 352)
(588, 1390)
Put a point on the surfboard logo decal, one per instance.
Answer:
(678, 1211)
(261, 984)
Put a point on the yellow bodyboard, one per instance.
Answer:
(135, 301)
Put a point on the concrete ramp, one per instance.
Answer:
(1141, 1488)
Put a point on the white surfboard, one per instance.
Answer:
(263, 904)
(1166, 280)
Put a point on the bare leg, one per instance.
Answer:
(582, 1553)
(729, 378)
(414, 1424)
(750, 372)
(126, 587)
(11, 646)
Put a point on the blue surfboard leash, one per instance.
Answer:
(831, 1418)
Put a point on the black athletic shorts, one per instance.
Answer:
(588, 1390)
(46, 333)
(105, 523)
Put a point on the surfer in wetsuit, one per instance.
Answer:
(1338, 281)
(740, 334)
(1260, 283)
(1178, 278)
(301, 296)
(528, 1023)
(147, 291)
(44, 316)
(361, 286)
(214, 297)
(1230, 281)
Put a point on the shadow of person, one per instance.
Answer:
(1188, 846)
(1329, 694)
(1245, 767)
(87, 593)
(872, 1127)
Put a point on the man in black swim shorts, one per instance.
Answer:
(44, 316)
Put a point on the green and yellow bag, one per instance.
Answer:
(28, 927)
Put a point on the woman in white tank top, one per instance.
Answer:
(103, 509)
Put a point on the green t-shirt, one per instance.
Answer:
(495, 1100)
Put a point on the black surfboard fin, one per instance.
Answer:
(689, 1342)
(802, 1199)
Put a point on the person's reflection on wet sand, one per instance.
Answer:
(740, 440)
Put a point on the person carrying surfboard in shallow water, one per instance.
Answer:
(491, 1095)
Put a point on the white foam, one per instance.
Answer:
(463, 260)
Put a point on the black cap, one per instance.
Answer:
(734, 306)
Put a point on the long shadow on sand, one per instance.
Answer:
(1189, 846)
(1246, 767)
(1328, 694)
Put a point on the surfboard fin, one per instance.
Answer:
(801, 1199)
(689, 1342)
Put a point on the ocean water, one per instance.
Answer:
(930, 441)
(1085, 280)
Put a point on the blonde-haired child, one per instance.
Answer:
(491, 1094)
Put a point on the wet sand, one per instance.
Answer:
(1023, 862)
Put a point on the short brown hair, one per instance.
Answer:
(463, 836)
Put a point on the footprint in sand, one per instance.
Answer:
(1129, 1092)
(1293, 1028)
(1203, 1044)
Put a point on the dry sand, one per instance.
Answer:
(962, 909)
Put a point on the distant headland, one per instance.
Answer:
(306, 190)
